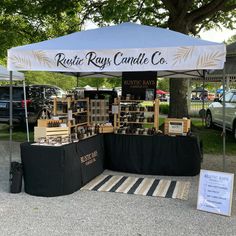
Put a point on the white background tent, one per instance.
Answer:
(119, 48)
(16, 76)
(5, 74)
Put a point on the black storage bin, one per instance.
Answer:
(16, 174)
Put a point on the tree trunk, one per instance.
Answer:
(178, 87)
(178, 98)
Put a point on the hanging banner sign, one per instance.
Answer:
(215, 192)
(141, 85)
(136, 59)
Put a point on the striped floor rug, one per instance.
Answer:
(142, 186)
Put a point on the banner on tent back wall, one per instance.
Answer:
(140, 59)
(142, 85)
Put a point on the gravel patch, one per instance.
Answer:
(98, 213)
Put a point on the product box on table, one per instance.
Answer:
(174, 126)
(50, 131)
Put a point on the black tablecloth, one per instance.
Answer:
(156, 155)
(54, 171)
(91, 154)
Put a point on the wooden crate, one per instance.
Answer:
(174, 126)
(106, 129)
(52, 131)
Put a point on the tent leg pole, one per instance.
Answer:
(203, 100)
(11, 127)
(26, 113)
(224, 130)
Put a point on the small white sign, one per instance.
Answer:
(215, 192)
(176, 127)
(115, 109)
(70, 115)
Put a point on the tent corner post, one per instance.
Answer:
(26, 112)
(224, 129)
(10, 128)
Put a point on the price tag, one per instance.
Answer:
(115, 109)
(215, 192)
(70, 115)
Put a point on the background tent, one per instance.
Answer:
(5, 75)
(16, 76)
(161, 92)
(230, 68)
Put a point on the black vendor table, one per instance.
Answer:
(156, 155)
(54, 171)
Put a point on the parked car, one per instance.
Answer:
(39, 100)
(214, 113)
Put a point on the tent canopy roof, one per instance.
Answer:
(5, 74)
(119, 48)
(125, 35)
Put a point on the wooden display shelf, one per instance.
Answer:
(73, 104)
(80, 112)
(125, 103)
(78, 124)
(136, 111)
(45, 122)
(135, 101)
(133, 122)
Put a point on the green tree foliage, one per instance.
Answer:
(163, 84)
(24, 21)
(188, 17)
(99, 82)
(231, 39)
(63, 81)
(68, 82)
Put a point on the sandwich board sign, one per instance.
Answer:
(215, 192)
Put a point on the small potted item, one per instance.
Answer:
(128, 96)
(42, 140)
(141, 131)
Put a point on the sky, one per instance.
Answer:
(211, 35)
(218, 35)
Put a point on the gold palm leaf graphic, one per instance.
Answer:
(42, 58)
(209, 59)
(182, 54)
(21, 62)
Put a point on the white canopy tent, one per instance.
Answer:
(5, 75)
(120, 48)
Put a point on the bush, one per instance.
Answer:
(164, 109)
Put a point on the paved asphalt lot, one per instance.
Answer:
(97, 213)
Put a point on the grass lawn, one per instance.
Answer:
(211, 138)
